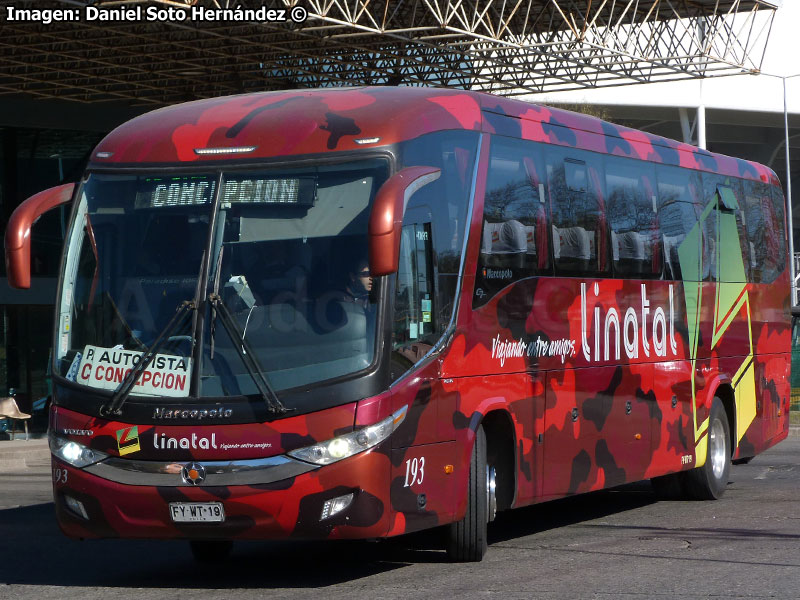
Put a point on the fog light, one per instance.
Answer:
(336, 505)
(76, 506)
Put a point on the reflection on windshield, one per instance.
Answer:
(287, 259)
(133, 257)
(291, 275)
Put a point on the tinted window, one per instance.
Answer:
(448, 199)
(416, 326)
(575, 185)
(779, 227)
(679, 208)
(631, 214)
(514, 240)
(723, 228)
(764, 220)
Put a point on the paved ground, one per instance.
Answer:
(21, 453)
(616, 544)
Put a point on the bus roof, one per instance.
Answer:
(301, 122)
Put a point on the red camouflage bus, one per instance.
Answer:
(358, 313)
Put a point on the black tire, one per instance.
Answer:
(708, 482)
(211, 551)
(466, 539)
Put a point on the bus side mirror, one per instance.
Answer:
(18, 232)
(386, 220)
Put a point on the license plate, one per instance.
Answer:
(194, 512)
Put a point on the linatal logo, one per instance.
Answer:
(630, 331)
(128, 440)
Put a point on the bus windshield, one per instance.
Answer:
(294, 275)
(287, 264)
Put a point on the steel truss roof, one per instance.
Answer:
(502, 46)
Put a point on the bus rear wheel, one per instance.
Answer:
(708, 482)
(466, 539)
(211, 551)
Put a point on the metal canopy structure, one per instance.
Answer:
(501, 46)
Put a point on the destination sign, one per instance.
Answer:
(164, 192)
(158, 192)
(255, 190)
(106, 368)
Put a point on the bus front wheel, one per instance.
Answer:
(708, 482)
(466, 539)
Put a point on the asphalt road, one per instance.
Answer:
(623, 543)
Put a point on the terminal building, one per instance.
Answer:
(655, 65)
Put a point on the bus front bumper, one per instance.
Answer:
(109, 501)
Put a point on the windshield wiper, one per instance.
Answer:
(114, 406)
(273, 404)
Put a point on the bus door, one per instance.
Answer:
(414, 324)
(421, 487)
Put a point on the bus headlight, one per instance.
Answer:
(347, 445)
(74, 453)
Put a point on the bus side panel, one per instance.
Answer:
(529, 421)
(772, 398)
(673, 432)
(773, 371)
(628, 432)
(421, 394)
(519, 395)
(772, 366)
(422, 490)
(597, 428)
(422, 487)
(751, 351)
(771, 320)
(523, 395)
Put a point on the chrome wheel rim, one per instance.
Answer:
(491, 492)
(717, 448)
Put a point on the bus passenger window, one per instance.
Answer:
(415, 324)
(719, 228)
(631, 214)
(764, 223)
(679, 208)
(779, 227)
(514, 237)
(578, 213)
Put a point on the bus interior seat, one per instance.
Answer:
(628, 252)
(572, 248)
(672, 265)
(505, 244)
